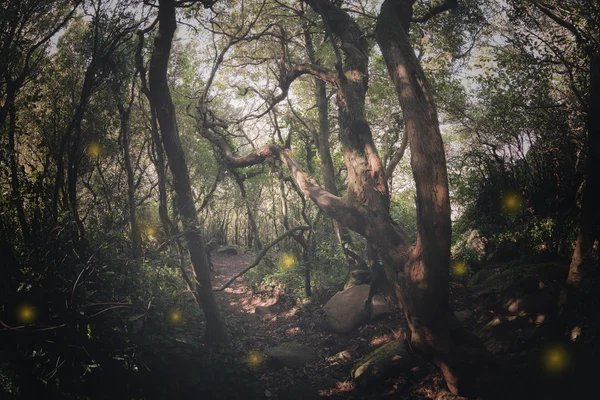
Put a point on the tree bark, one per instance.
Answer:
(124, 114)
(15, 180)
(422, 284)
(588, 223)
(165, 111)
(255, 239)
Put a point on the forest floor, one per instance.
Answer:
(262, 320)
(542, 363)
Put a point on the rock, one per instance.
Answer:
(229, 250)
(358, 277)
(291, 354)
(380, 307)
(343, 356)
(346, 309)
(390, 359)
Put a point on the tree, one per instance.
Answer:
(420, 273)
(165, 112)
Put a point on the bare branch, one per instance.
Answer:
(434, 11)
(262, 254)
(396, 157)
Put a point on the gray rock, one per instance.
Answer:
(380, 307)
(390, 359)
(346, 309)
(291, 354)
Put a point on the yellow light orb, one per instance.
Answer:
(26, 314)
(460, 268)
(150, 231)
(555, 359)
(287, 261)
(254, 359)
(94, 150)
(511, 202)
(175, 317)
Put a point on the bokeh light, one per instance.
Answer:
(26, 314)
(254, 359)
(287, 261)
(460, 268)
(511, 202)
(94, 149)
(150, 232)
(175, 317)
(555, 359)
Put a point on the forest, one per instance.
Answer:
(299, 199)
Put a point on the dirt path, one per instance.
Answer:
(252, 331)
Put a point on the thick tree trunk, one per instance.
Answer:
(322, 143)
(165, 111)
(422, 285)
(321, 139)
(125, 140)
(158, 155)
(588, 223)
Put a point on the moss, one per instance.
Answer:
(388, 359)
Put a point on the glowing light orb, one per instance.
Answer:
(460, 268)
(555, 359)
(94, 150)
(150, 231)
(254, 359)
(26, 314)
(176, 317)
(511, 202)
(287, 261)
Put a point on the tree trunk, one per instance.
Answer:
(165, 111)
(72, 176)
(16, 195)
(321, 140)
(158, 155)
(298, 237)
(422, 285)
(125, 137)
(72, 161)
(588, 223)
(254, 241)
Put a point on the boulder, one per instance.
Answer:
(346, 309)
(291, 354)
(388, 360)
(229, 250)
(380, 307)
